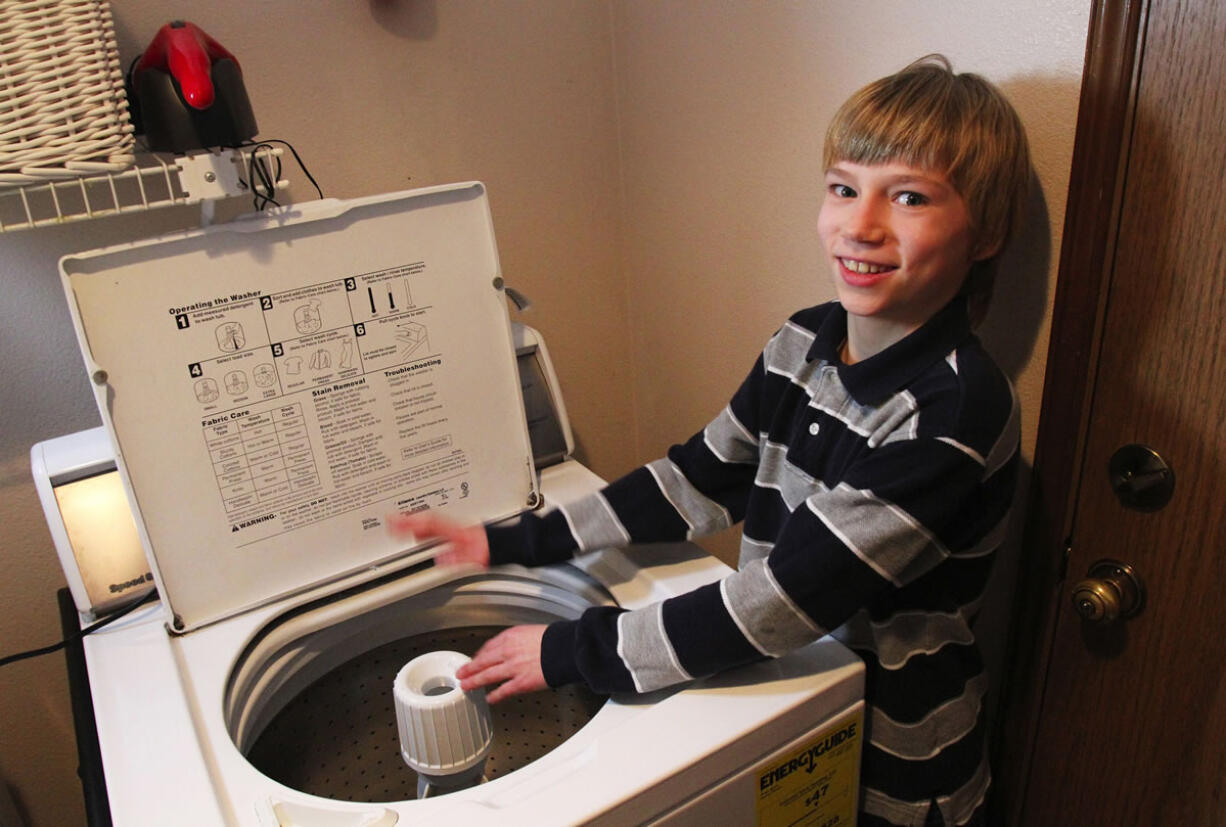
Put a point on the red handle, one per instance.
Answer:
(184, 50)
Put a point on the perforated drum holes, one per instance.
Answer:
(337, 738)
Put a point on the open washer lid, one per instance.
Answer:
(276, 386)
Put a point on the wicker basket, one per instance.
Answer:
(63, 112)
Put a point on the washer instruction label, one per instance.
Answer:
(818, 783)
(320, 399)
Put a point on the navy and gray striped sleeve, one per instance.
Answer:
(836, 554)
(841, 549)
(700, 488)
(897, 513)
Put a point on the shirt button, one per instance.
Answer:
(813, 429)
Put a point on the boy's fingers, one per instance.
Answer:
(404, 524)
(466, 542)
(512, 658)
(512, 682)
(490, 654)
(421, 523)
(491, 674)
(485, 668)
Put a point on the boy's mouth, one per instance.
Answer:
(864, 267)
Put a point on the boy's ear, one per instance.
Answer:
(986, 248)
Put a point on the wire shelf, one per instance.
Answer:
(154, 181)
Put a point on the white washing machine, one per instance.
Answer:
(270, 390)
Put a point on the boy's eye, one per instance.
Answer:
(910, 199)
(842, 191)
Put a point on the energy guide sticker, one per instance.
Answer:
(817, 783)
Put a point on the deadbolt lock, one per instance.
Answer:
(1141, 478)
(1111, 591)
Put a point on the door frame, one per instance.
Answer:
(1114, 50)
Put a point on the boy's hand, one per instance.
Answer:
(467, 545)
(511, 658)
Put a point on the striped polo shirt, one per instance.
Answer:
(873, 497)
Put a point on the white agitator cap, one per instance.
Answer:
(445, 732)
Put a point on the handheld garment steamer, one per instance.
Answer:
(187, 92)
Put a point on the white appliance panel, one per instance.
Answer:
(277, 386)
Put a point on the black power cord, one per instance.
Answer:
(261, 180)
(55, 647)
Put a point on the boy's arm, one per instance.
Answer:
(701, 487)
(897, 515)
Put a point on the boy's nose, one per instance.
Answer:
(864, 223)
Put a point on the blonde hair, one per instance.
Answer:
(957, 124)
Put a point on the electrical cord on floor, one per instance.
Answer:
(55, 647)
(261, 180)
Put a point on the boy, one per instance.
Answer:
(871, 454)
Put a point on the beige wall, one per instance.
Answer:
(653, 171)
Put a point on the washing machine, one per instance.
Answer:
(270, 391)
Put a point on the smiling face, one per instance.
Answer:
(899, 242)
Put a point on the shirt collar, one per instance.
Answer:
(883, 374)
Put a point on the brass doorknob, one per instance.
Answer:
(1111, 591)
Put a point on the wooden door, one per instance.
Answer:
(1128, 726)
